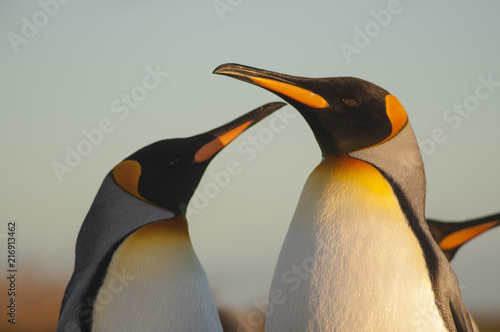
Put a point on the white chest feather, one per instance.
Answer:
(350, 262)
(156, 283)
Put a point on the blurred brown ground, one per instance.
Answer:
(38, 301)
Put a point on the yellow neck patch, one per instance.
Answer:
(458, 238)
(362, 181)
(364, 175)
(301, 95)
(397, 115)
(157, 232)
(158, 238)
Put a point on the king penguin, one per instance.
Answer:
(358, 254)
(450, 236)
(135, 267)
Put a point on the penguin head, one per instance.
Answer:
(450, 236)
(346, 114)
(166, 173)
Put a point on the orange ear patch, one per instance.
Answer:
(397, 115)
(301, 95)
(127, 174)
(211, 148)
(458, 238)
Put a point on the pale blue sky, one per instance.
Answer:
(66, 77)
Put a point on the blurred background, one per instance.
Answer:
(86, 83)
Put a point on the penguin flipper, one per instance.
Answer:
(461, 317)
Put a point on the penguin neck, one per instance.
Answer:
(347, 186)
(400, 161)
(155, 280)
(361, 267)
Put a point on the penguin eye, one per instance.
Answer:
(351, 102)
(173, 162)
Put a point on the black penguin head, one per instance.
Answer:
(346, 114)
(166, 173)
(450, 236)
